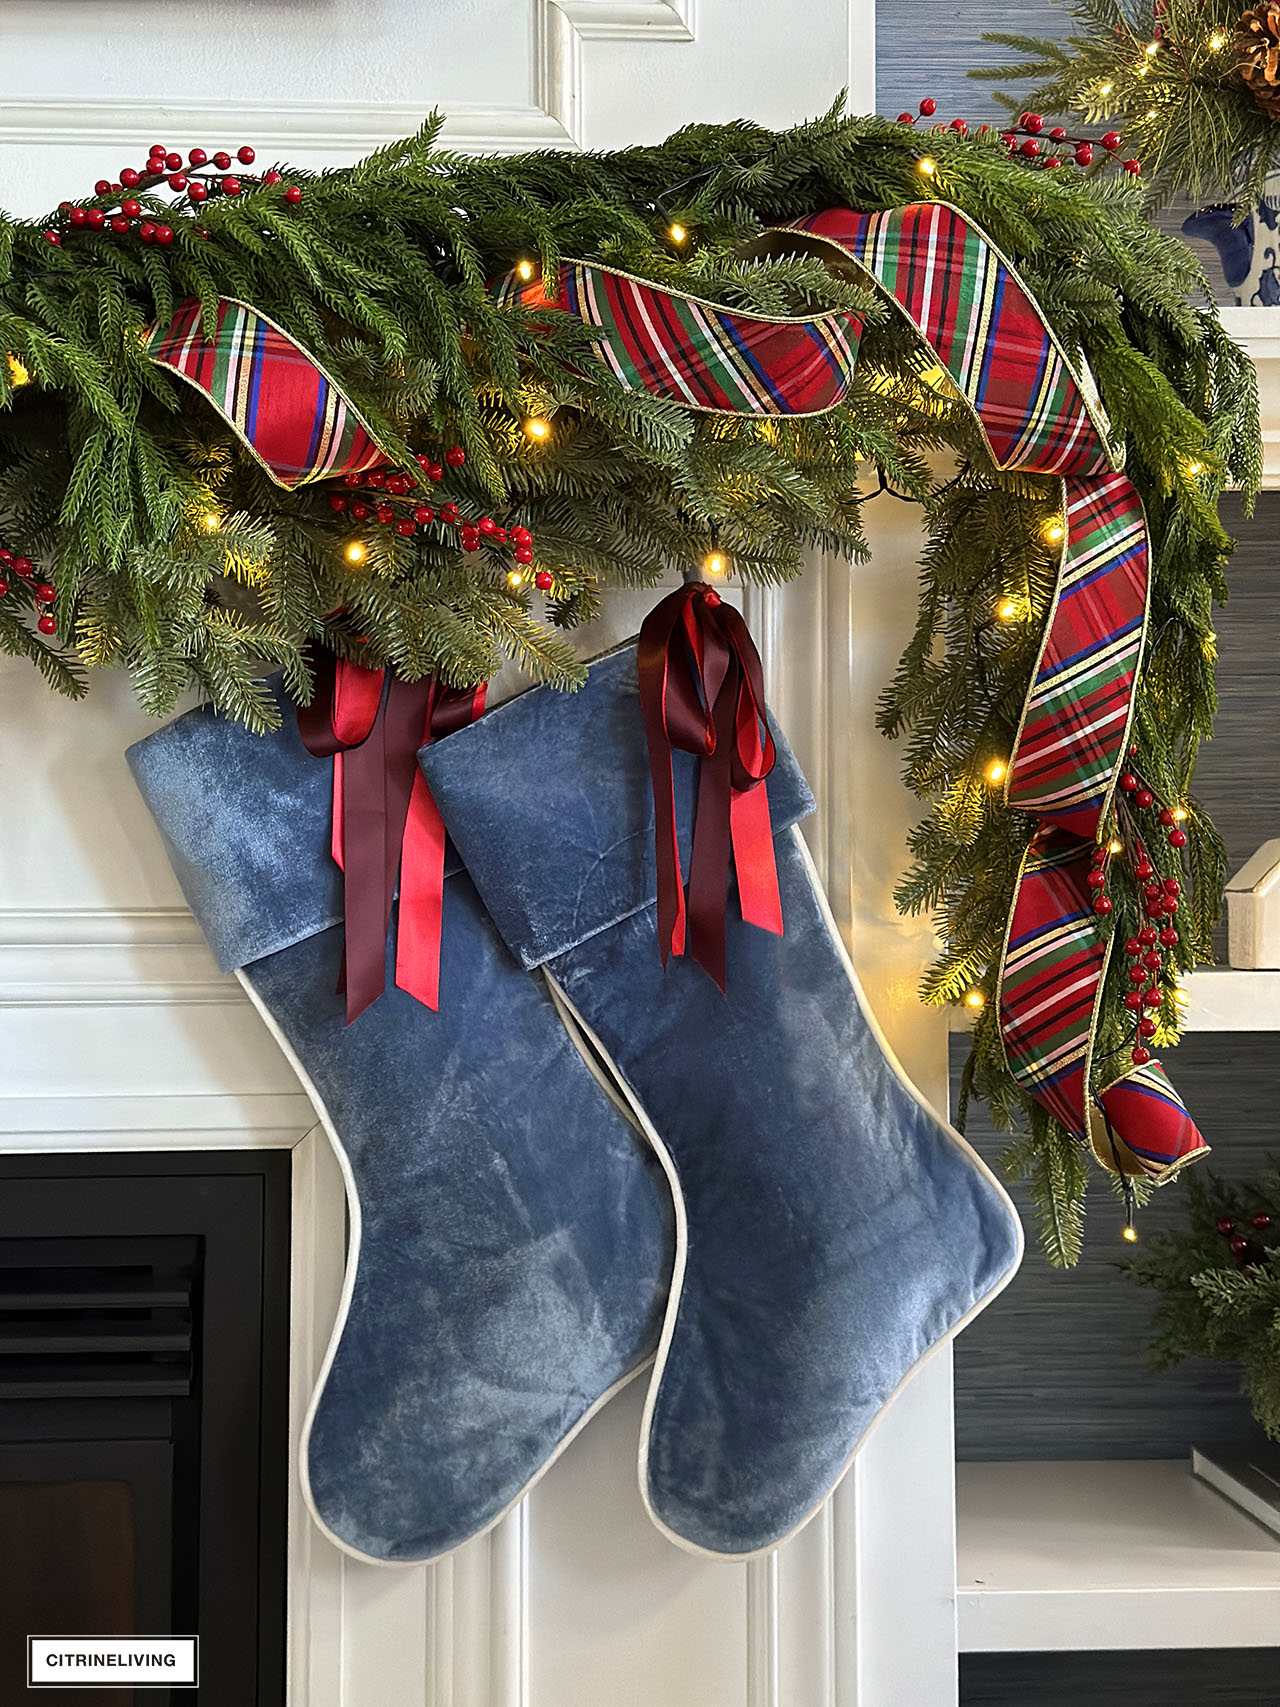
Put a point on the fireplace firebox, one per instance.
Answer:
(144, 1342)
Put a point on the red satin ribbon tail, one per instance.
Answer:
(421, 916)
(754, 860)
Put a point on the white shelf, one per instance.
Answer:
(1218, 998)
(1108, 1555)
(1258, 330)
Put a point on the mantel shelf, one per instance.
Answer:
(1108, 1555)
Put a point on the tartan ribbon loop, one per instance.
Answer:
(1039, 412)
(386, 825)
(277, 399)
(702, 692)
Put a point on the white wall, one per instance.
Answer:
(119, 1032)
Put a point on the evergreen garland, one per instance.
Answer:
(1218, 1282)
(1183, 79)
(111, 468)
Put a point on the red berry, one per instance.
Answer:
(222, 160)
(198, 157)
(1169, 937)
(95, 219)
(1137, 975)
(386, 514)
(1133, 999)
(928, 107)
(1226, 1226)
(246, 156)
(1177, 838)
(434, 471)
(398, 485)
(1147, 937)
(1146, 1028)
(1144, 871)
(198, 192)
(102, 187)
(178, 181)
(47, 624)
(46, 593)
(1032, 122)
(1111, 141)
(360, 510)
(53, 237)
(24, 566)
(524, 554)
(405, 526)
(455, 456)
(423, 514)
(6, 556)
(1151, 997)
(78, 215)
(1102, 905)
(4, 587)
(1052, 161)
(231, 186)
(1057, 134)
(471, 542)
(1153, 892)
(906, 118)
(293, 194)
(1166, 815)
(1153, 961)
(1128, 782)
(1133, 947)
(272, 178)
(146, 231)
(1030, 147)
(164, 234)
(1262, 1222)
(1140, 1055)
(521, 536)
(500, 535)
(375, 477)
(1100, 854)
(960, 127)
(337, 501)
(1172, 886)
(129, 177)
(543, 581)
(488, 525)
(173, 162)
(1238, 1245)
(1097, 880)
(1133, 167)
(133, 209)
(1084, 154)
(1144, 798)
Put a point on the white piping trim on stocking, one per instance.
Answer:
(344, 1307)
(677, 1279)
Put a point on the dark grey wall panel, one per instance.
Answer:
(1228, 1677)
(1054, 1367)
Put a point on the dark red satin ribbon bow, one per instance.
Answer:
(702, 690)
(385, 823)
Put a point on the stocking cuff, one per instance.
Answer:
(549, 801)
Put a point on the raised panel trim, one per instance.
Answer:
(102, 957)
(552, 118)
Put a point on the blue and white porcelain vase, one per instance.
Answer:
(1249, 253)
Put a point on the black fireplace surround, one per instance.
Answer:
(144, 1347)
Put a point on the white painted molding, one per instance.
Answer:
(98, 957)
(615, 20)
(552, 119)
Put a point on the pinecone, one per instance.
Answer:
(1258, 45)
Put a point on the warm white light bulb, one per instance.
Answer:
(997, 770)
(355, 552)
(714, 563)
(211, 521)
(975, 999)
(1114, 846)
(1054, 531)
(18, 374)
(1105, 88)
(677, 233)
(524, 269)
(1217, 42)
(537, 428)
(1131, 1234)
(927, 166)
(515, 578)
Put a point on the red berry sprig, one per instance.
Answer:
(1028, 139)
(1247, 1251)
(382, 486)
(165, 168)
(43, 592)
(1160, 898)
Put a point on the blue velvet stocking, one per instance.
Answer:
(832, 1229)
(511, 1238)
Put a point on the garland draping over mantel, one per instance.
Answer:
(486, 477)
